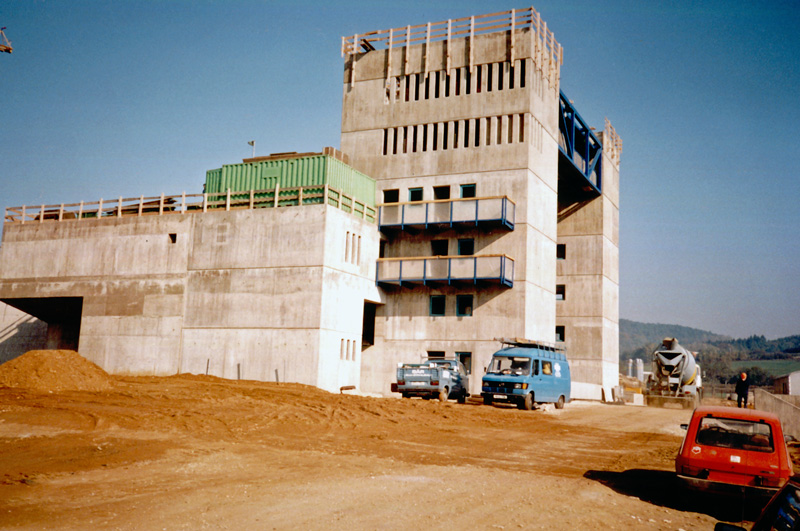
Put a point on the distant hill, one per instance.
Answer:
(633, 335)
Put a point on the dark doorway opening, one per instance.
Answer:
(62, 315)
(368, 327)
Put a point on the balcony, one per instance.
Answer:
(447, 270)
(443, 214)
(580, 164)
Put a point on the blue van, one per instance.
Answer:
(526, 373)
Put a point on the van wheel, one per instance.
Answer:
(487, 400)
(443, 394)
(527, 404)
(560, 403)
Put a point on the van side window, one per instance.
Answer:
(535, 367)
(547, 367)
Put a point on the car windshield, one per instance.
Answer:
(509, 365)
(736, 434)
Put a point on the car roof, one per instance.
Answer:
(734, 413)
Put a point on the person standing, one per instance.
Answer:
(742, 390)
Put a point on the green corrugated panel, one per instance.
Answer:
(303, 172)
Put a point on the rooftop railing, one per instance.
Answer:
(448, 213)
(449, 270)
(191, 203)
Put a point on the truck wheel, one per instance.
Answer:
(527, 403)
(487, 400)
(462, 397)
(560, 403)
(443, 394)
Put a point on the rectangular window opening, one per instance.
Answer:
(439, 247)
(477, 132)
(458, 81)
(417, 83)
(445, 138)
(391, 196)
(428, 87)
(441, 192)
(561, 251)
(522, 128)
(489, 131)
(561, 292)
(468, 76)
(501, 70)
(510, 128)
(466, 133)
(437, 305)
(466, 247)
(480, 76)
(436, 354)
(522, 73)
(447, 84)
(385, 140)
(394, 142)
(467, 191)
(511, 77)
(560, 336)
(405, 139)
(437, 82)
(489, 78)
(435, 136)
(425, 137)
(464, 305)
(415, 194)
(173, 237)
(499, 130)
(455, 134)
(414, 139)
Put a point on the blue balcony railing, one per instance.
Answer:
(448, 213)
(450, 270)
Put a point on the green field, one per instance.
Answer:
(771, 367)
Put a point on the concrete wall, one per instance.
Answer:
(788, 412)
(19, 333)
(258, 294)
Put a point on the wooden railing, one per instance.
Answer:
(547, 53)
(189, 203)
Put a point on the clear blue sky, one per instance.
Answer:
(102, 99)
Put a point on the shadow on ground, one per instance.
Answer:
(663, 488)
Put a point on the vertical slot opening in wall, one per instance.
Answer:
(522, 127)
(477, 132)
(405, 139)
(458, 81)
(444, 136)
(436, 86)
(480, 78)
(353, 249)
(358, 252)
(414, 139)
(499, 129)
(173, 237)
(455, 134)
(425, 137)
(394, 142)
(347, 352)
(489, 78)
(341, 351)
(522, 73)
(511, 76)
(510, 128)
(501, 71)
(435, 137)
(489, 131)
(560, 334)
(347, 246)
(427, 87)
(561, 251)
(466, 133)
(408, 81)
(385, 140)
(468, 75)
(417, 82)
(447, 84)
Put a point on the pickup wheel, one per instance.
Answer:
(487, 400)
(443, 394)
(527, 403)
(462, 397)
(560, 403)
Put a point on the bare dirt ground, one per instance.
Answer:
(197, 452)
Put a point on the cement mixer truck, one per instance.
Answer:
(676, 377)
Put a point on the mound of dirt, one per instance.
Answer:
(54, 370)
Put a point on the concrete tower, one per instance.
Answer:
(460, 123)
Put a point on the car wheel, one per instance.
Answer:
(487, 400)
(443, 394)
(462, 397)
(560, 403)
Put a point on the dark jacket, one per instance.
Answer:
(742, 387)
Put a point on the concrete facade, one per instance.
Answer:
(788, 384)
(266, 294)
(484, 111)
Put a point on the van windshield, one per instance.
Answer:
(735, 433)
(509, 365)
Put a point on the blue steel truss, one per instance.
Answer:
(580, 145)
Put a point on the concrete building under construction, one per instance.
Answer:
(468, 201)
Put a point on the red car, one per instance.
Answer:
(728, 448)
